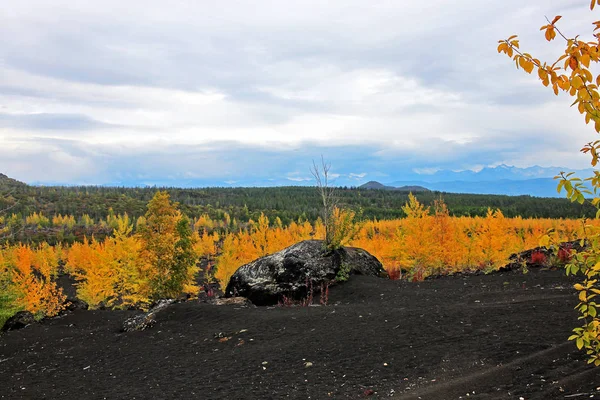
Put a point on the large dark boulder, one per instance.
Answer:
(18, 321)
(293, 271)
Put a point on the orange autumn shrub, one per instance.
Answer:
(33, 276)
(433, 242)
(110, 273)
(428, 241)
(130, 269)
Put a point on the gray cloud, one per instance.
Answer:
(215, 92)
(44, 121)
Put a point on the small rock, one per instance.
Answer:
(72, 304)
(18, 321)
(139, 323)
(308, 364)
(146, 320)
(236, 301)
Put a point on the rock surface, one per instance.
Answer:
(72, 304)
(146, 320)
(231, 301)
(293, 271)
(18, 321)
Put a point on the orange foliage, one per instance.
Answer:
(422, 244)
(33, 274)
(119, 272)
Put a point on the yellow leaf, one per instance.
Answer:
(528, 66)
(550, 33)
(555, 20)
(585, 60)
(544, 75)
(582, 296)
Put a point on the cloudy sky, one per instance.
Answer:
(240, 92)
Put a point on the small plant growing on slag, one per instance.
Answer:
(343, 273)
(538, 258)
(565, 253)
(394, 273)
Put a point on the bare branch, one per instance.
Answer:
(558, 30)
(326, 192)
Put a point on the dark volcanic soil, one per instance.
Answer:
(500, 336)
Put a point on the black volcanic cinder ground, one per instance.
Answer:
(500, 336)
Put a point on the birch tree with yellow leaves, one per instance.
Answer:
(571, 73)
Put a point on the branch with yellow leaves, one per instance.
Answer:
(577, 56)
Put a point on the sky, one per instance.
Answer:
(251, 92)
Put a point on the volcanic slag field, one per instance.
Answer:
(496, 336)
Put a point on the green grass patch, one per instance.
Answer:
(8, 306)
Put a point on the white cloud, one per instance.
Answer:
(411, 84)
(299, 179)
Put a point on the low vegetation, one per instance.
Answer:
(158, 255)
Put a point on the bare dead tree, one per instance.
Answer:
(326, 192)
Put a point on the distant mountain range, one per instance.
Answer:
(487, 174)
(544, 187)
(503, 179)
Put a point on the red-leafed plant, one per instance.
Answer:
(394, 273)
(538, 258)
(565, 253)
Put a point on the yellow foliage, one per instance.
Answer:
(39, 220)
(110, 273)
(204, 223)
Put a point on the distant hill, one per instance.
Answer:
(6, 182)
(376, 185)
(540, 187)
(406, 188)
